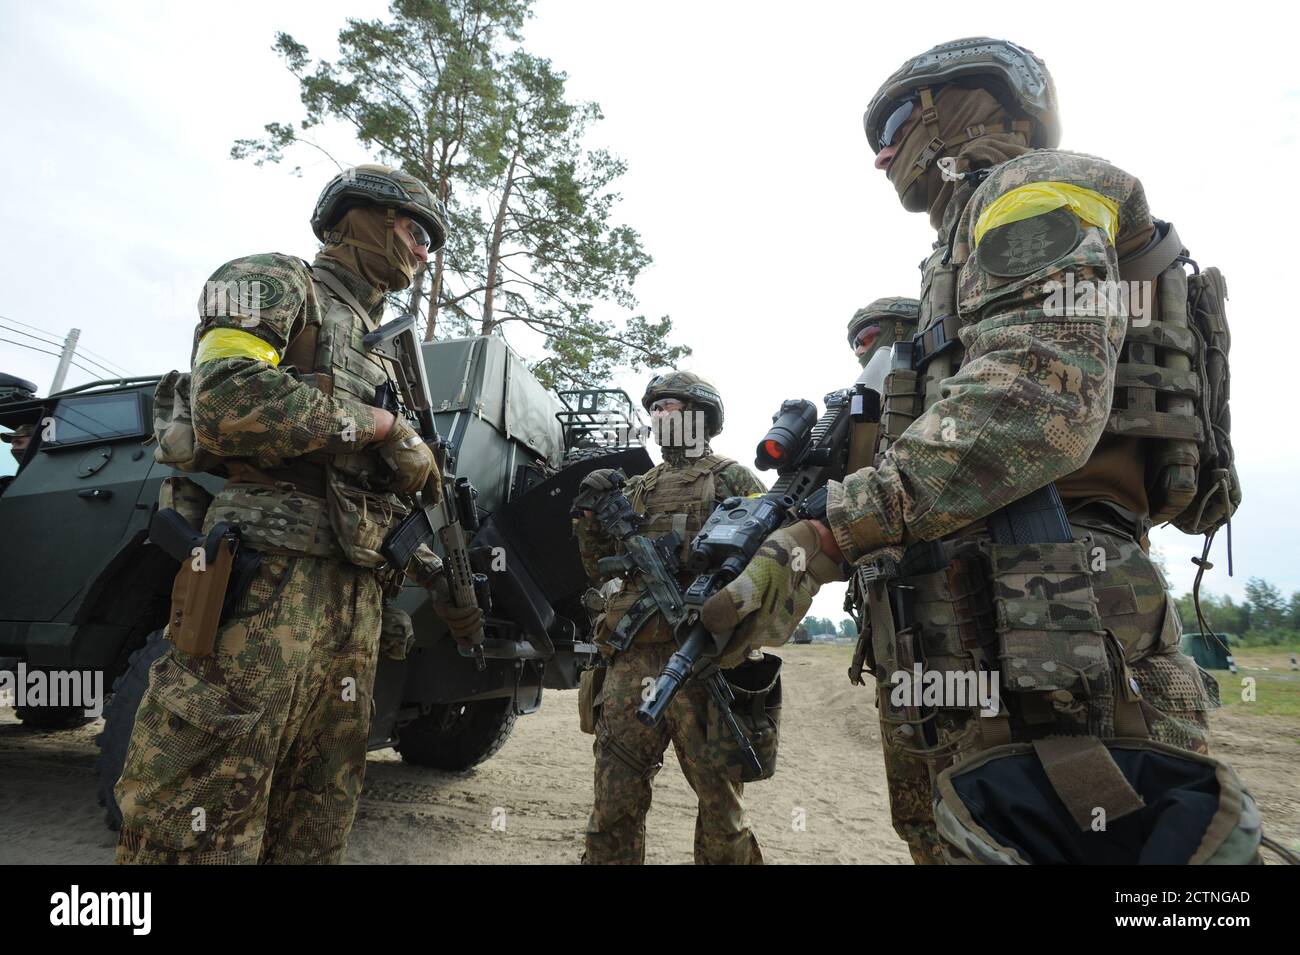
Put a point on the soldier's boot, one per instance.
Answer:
(628, 755)
(722, 832)
(318, 784)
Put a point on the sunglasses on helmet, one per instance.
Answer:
(895, 121)
(419, 234)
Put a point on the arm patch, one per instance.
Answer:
(260, 294)
(1027, 245)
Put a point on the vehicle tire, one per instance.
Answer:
(119, 720)
(46, 717)
(457, 736)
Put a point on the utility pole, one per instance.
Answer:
(65, 359)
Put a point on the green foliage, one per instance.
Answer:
(445, 91)
(1264, 619)
(824, 626)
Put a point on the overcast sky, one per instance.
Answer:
(749, 179)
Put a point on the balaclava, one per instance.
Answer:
(958, 109)
(364, 241)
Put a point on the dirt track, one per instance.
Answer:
(539, 787)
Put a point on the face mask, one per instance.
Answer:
(366, 243)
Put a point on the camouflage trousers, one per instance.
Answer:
(257, 752)
(1133, 605)
(628, 755)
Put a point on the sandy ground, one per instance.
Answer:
(529, 803)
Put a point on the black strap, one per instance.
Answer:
(935, 340)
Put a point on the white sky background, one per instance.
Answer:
(749, 179)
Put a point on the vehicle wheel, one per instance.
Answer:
(455, 736)
(119, 720)
(46, 717)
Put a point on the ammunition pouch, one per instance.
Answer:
(1082, 800)
(591, 683)
(361, 520)
(1050, 637)
(756, 702)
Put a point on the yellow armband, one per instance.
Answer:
(232, 343)
(1036, 198)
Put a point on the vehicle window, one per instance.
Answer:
(97, 418)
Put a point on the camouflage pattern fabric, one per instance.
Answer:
(257, 752)
(250, 409)
(628, 755)
(765, 603)
(1132, 604)
(1032, 395)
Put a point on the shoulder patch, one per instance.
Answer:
(1026, 245)
(254, 285)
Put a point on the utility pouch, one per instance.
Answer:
(591, 684)
(199, 592)
(1050, 634)
(756, 702)
(361, 520)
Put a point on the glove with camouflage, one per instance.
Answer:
(594, 486)
(762, 607)
(409, 457)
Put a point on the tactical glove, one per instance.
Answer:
(593, 486)
(409, 457)
(787, 571)
(465, 623)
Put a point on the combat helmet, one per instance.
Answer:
(687, 386)
(895, 306)
(1014, 75)
(383, 186)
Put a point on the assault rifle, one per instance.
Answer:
(454, 515)
(806, 452)
(656, 560)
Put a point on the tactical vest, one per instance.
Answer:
(673, 499)
(1060, 632)
(322, 504)
(1171, 389)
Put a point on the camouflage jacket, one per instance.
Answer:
(246, 408)
(1030, 399)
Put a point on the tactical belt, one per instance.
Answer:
(302, 476)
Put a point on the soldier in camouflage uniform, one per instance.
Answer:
(256, 752)
(1005, 394)
(677, 495)
(880, 324)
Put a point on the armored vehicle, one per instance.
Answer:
(82, 587)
